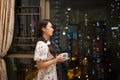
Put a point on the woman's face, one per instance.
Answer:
(48, 30)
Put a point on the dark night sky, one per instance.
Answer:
(84, 4)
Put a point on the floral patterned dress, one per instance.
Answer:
(42, 53)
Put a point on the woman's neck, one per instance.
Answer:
(46, 37)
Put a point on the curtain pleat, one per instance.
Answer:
(6, 32)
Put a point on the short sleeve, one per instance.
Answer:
(41, 51)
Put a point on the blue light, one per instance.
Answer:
(114, 28)
(64, 33)
(97, 24)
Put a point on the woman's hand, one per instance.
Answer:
(60, 58)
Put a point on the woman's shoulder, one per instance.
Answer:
(41, 42)
(44, 43)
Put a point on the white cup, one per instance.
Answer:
(66, 57)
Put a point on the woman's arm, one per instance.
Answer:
(44, 64)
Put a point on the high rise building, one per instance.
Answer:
(113, 35)
(114, 26)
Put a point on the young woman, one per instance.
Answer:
(45, 56)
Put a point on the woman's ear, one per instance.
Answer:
(43, 29)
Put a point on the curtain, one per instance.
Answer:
(6, 32)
